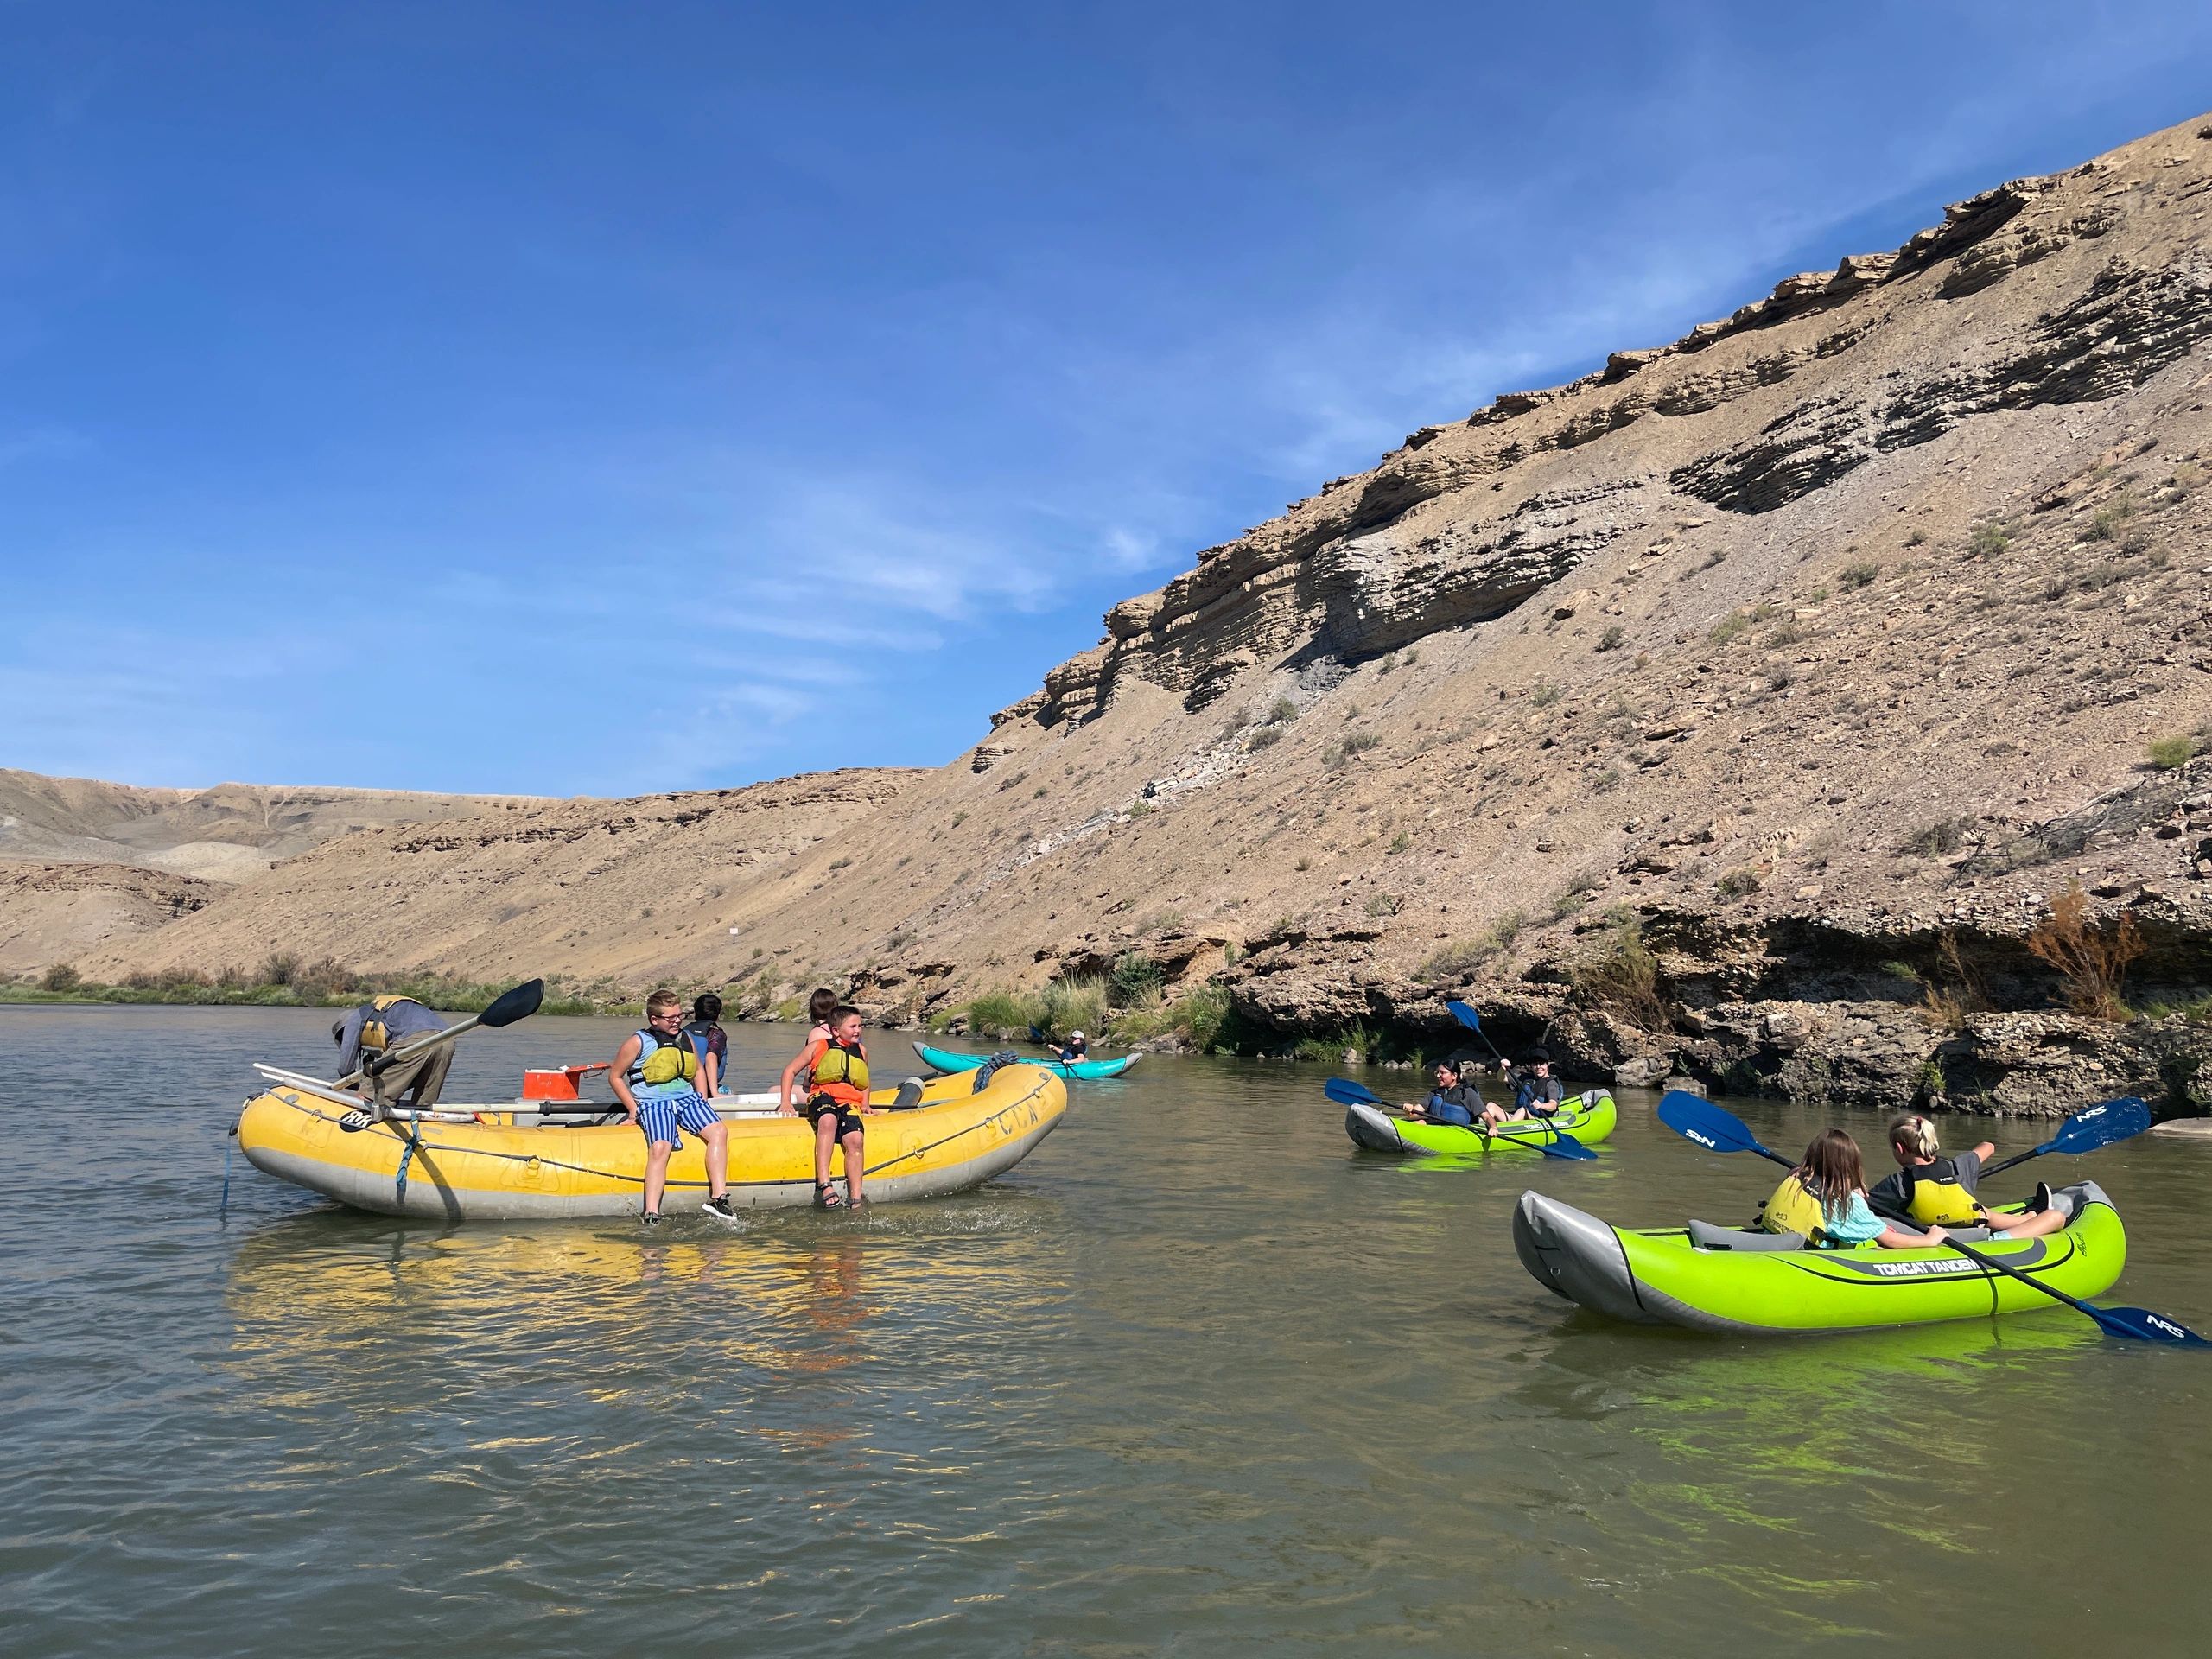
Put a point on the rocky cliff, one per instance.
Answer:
(1743, 707)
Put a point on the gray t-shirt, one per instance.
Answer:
(1889, 1191)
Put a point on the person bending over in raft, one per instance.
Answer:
(1824, 1200)
(1451, 1102)
(1930, 1190)
(836, 1068)
(384, 1023)
(1536, 1093)
(654, 1074)
(709, 1041)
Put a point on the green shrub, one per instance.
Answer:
(1728, 628)
(1859, 574)
(1265, 738)
(1936, 837)
(1134, 981)
(1384, 904)
(1281, 712)
(1622, 976)
(1738, 884)
(1990, 537)
(1612, 639)
(2169, 753)
(61, 978)
(1074, 1005)
(1400, 842)
(1545, 695)
(1004, 1013)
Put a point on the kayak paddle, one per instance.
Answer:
(1473, 1021)
(1345, 1092)
(1712, 1127)
(2137, 1324)
(2101, 1125)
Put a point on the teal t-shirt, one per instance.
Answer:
(1856, 1224)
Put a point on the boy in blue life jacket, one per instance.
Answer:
(655, 1074)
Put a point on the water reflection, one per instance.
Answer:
(1199, 1373)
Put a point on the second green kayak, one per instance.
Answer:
(1588, 1117)
(945, 1060)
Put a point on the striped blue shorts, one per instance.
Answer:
(662, 1117)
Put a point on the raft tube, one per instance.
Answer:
(505, 1165)
(945, 1060)
(1588, 1117)
(1739, 1282)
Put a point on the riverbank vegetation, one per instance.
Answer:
(286, 981)
(1125, 1007)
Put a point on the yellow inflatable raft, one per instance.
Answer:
(505, 1162)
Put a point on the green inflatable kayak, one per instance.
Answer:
(1735, 1282)
(945, 1060)
(1588, 1117)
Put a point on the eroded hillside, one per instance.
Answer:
(1825, 645)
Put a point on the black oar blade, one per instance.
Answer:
(1345, 1092)
(2141, 1324)
(517, 1004)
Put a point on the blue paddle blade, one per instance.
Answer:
(1564, 1145)
(1345, 1092)
(1699, 1120)
(2143, 1325)
(2101, 1125)
(1465, 1015)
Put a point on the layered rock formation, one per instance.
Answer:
(1825, 646)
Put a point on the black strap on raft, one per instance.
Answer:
(413, 1141)
(1005, 1056)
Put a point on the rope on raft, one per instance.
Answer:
(416, 1142)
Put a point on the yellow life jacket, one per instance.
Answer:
(1791, 1208)
(375, 1035)
(664, 1062)
(838, 1063)
(1936, 1197)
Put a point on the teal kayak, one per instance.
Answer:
(945, 1060)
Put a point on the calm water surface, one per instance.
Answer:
(1197, 1377)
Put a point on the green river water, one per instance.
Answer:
(1197, 1377)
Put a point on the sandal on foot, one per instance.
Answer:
(825, 1196)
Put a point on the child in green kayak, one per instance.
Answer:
(1824, 1198)
(1452, 1101)
(1930, 1190)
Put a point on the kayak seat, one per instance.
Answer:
(1705, 1236)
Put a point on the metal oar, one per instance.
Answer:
(1345, 1092)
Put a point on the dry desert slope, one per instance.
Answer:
(1814, 654)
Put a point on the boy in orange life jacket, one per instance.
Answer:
(836, 1065)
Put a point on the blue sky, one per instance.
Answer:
(599, 399)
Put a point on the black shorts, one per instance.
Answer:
(848, 1120)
